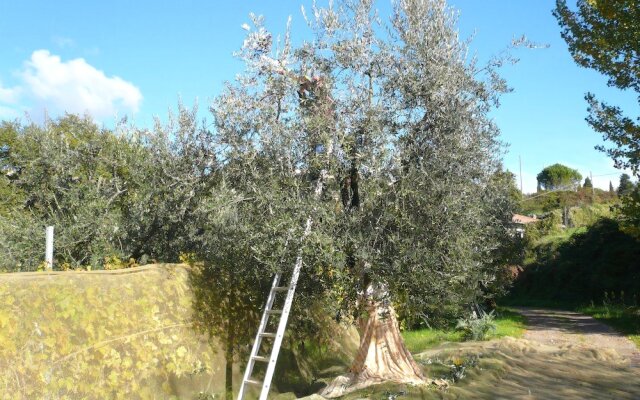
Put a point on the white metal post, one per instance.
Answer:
(48, 256)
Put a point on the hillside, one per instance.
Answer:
(123, 334)
(581, 265)
(543, 202)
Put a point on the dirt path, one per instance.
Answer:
(569, 328)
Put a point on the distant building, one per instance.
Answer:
(519, 221)
(523, 219)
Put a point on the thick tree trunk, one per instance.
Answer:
(382, 356)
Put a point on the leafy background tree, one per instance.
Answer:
(69, 174)
(587, 183)
(112, 196)
(630, 205)
(603, 35)
(625, 187)
(558, 176)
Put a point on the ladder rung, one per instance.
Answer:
(260, 358)
(269, 335)
(280, 288)
(252, 382)
(274, 312)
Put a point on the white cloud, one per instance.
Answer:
(8, 95)
(75, 86)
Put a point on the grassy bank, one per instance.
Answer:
(578, 266)
(508, 323)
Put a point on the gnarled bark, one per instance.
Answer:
(382, 356)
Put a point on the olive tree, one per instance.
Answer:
(391, 120)
(71, 174)
(112, 194)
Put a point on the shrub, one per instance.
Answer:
(477, 328)
(587, 216)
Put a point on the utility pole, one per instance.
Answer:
(521, 190)
(593, 190)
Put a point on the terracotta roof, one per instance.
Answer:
(523, 219)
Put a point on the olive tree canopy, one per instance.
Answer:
(391, 118)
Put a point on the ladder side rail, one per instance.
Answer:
(256, 344)
(282, 325)
(290, 294)
(288, 301)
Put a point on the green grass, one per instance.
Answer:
(420, 340)
(624, 319)
(560, 236)
(508, 323)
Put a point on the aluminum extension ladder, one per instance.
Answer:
(278, 335)
(282, 324)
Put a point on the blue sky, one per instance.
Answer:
(137, 58)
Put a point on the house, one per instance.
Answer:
(523, 219)
(519, 221)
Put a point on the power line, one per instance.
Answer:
(613, 173)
